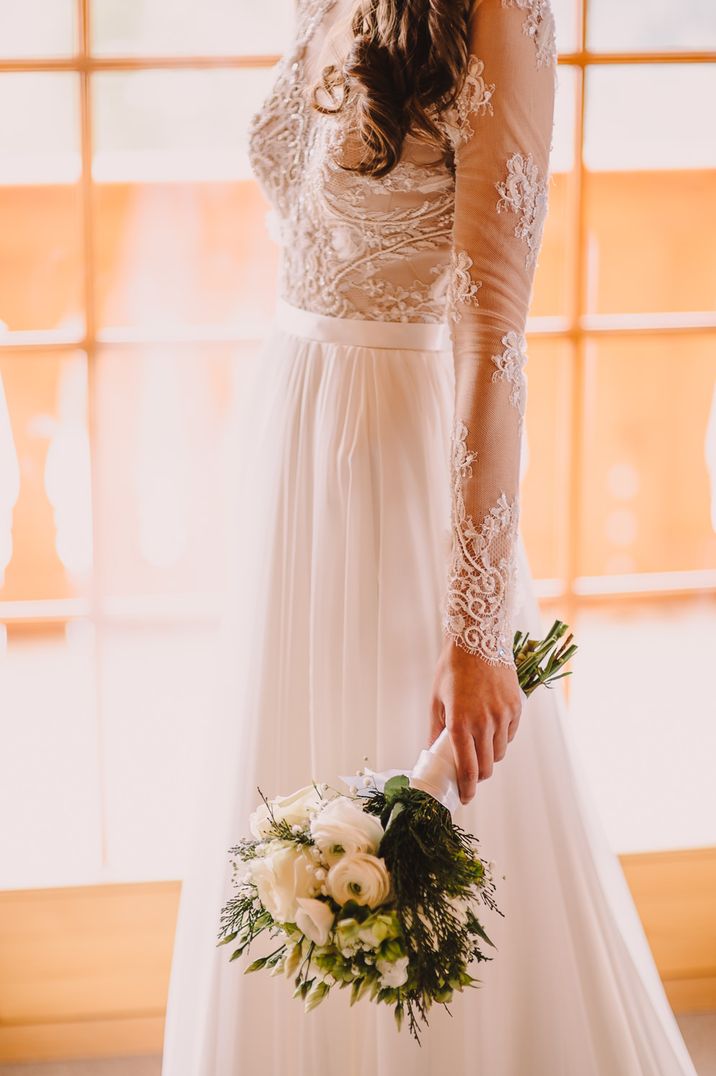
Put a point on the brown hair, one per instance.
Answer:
(407, 58)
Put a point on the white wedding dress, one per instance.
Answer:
(374, 509)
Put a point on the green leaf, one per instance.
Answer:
(394, 784)
(316, 995)
(229, 938)
(479, 929)
(256, 965)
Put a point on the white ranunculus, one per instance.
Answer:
(294, 809)
(393, 972)
(283, 877)
(342, 827)
(361, 877)
(315, 919)
(260, 822)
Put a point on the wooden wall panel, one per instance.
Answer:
(84, 971)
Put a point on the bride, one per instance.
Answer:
(376, 569)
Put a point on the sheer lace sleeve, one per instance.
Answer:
(500, 127)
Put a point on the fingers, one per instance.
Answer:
(499, 743)
(512, 728)
(480, 706)
(466, 764)
(437, 720)
(485, 754)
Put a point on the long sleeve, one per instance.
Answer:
(501, 129)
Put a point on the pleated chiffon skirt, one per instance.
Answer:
(338, 500)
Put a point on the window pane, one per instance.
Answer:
(179, 240)
(565, 17)
(162, 418)
(175, 125)
(37, 28)
(183, 254)
(649, 471)
(545, 455)
(642, 117)
(660, 25)
(651, 189)
(156, 683)
(40, 207)
(49, 783)
(39, 128)
(159, 27)
(46, 544)
(647, 736)
(551, 291)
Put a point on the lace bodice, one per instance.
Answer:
(449, 234)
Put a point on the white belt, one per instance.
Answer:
(363, 332)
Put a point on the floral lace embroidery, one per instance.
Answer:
(510, 366)
(345, 238)
(539, 25)
(524, 191)
(474, 98)
(482, 571)
(462, 289)
(357, 246)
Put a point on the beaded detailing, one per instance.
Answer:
(524, 191)
(482, 569)
(346, 238)
(277, 132)
(539, 25)
(510, 365)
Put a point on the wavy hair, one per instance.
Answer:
(406, 60)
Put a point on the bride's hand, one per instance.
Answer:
(480, 705)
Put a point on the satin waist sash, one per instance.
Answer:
(362, 332)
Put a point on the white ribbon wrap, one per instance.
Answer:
(434, 772)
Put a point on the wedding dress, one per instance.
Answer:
(374, 510)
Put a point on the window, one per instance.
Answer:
(136, 275)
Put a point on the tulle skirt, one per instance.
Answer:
(338, 500)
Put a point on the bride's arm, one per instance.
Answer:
(501, 130)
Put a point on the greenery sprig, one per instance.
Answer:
(434, 866)
(539, 661)
(428, 928)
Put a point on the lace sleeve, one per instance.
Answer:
(501, 128)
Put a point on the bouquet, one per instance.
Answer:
(377, 890)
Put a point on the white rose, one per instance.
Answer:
(359, 877)
(393, 972)
(343, 827)
(315, 919)
(282, 878)
(294, 809)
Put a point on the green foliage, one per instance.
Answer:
(433, 863)
(539, 661)
(437, 878)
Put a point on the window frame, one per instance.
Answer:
(570, 592)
